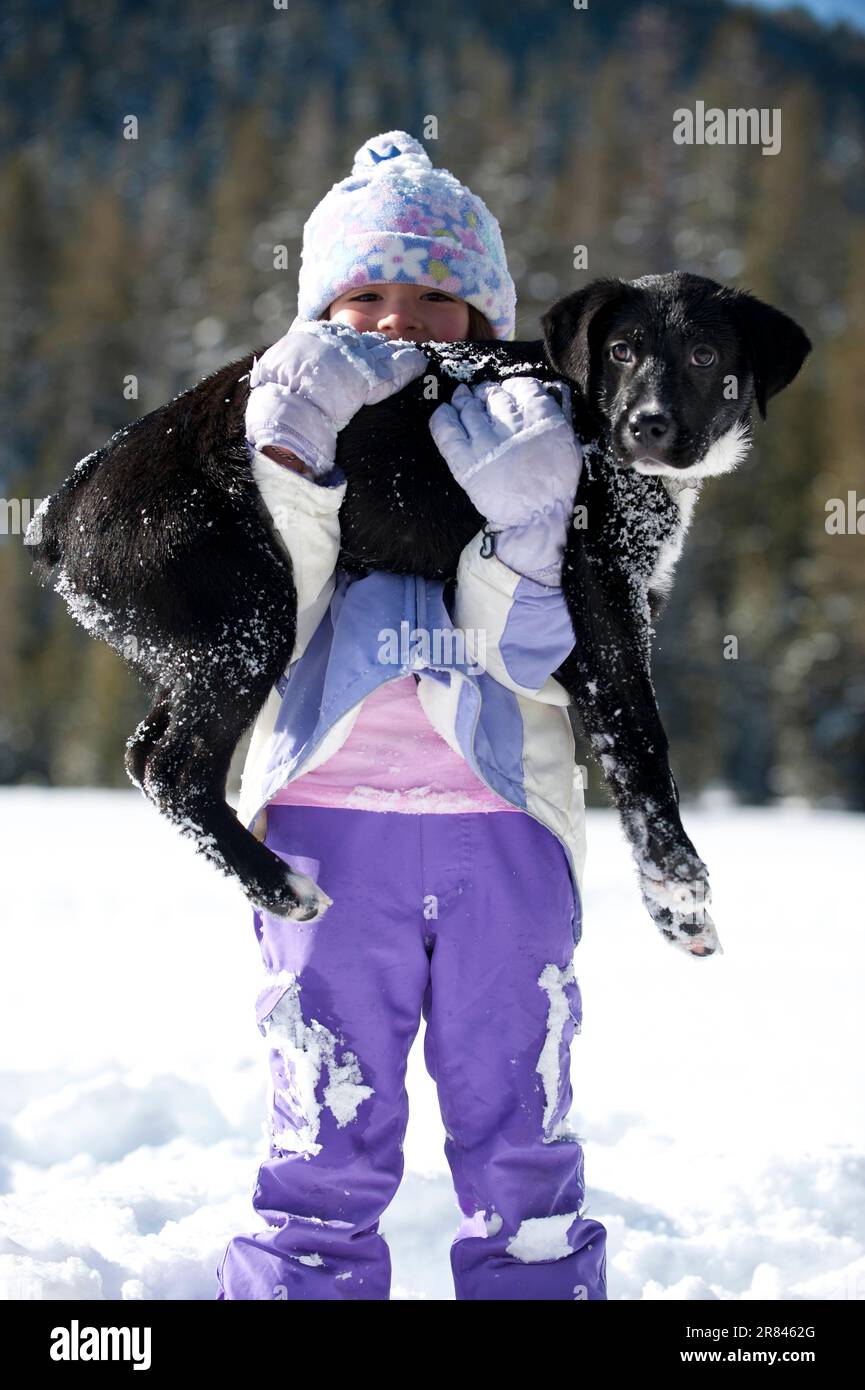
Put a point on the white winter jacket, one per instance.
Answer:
(484, 665)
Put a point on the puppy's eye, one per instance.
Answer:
(702, 357)
(621, 352)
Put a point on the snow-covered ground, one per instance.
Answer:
(721, 1101)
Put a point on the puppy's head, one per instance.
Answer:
(670, 365)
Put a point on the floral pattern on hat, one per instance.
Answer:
(397, 219)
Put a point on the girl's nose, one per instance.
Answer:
(400, 322)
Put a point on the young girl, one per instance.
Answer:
(429, 790)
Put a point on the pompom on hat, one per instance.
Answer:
(396, 218)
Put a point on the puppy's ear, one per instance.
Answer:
(774, 343)
(566, 328)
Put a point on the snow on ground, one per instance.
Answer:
(720, 1101)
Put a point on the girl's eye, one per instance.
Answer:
(621, 352)
(702, 357)
(365, 296)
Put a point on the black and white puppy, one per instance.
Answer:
(667, 369)
(161, 544)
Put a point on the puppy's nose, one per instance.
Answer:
(649, 428)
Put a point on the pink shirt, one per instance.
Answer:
(394, 760)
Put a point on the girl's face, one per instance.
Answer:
(415, 312)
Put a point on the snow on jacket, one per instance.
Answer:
(485, 665)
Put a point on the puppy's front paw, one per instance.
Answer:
(678, 881)
(683, 897)
(694, 934)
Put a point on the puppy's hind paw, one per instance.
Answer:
(312, 901)
(299, 899)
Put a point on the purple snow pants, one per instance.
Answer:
(471, 921)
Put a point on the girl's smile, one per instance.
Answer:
(415, 312)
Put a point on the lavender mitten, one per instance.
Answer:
(319, 374)
(511, 447)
